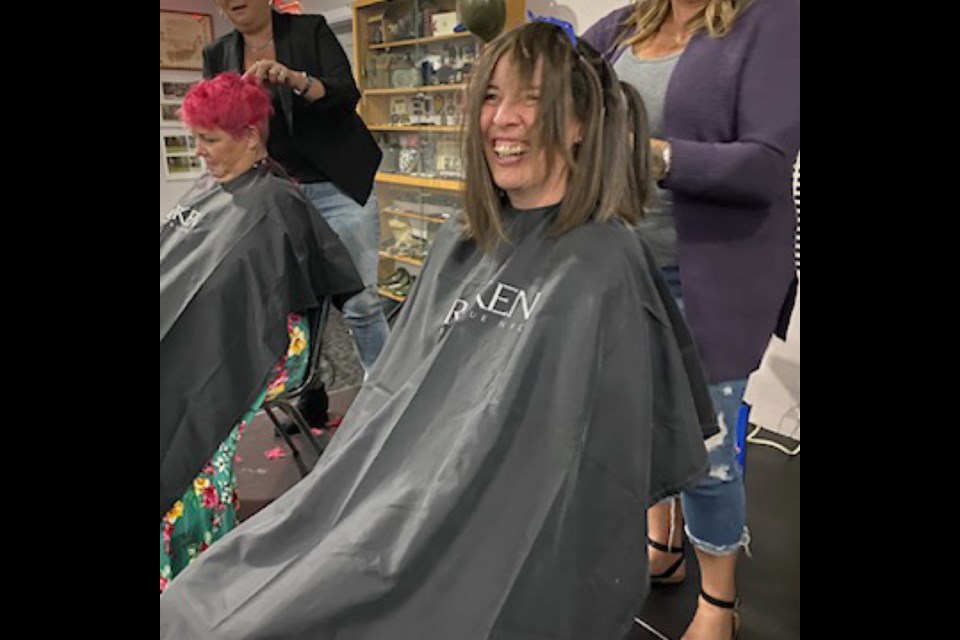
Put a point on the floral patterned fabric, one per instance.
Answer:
(208, 510)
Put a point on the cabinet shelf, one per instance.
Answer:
(395, 91)
(416, 216)
(400, 118)
(390, 295)
(414, 181)
(416, 41)
(410, 261)
(415, 128)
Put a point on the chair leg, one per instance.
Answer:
(278, 428)
(291, 410)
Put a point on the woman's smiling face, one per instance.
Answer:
(508, 124)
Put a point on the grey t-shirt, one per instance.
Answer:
(651, 78)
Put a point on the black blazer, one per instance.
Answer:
(328, 132)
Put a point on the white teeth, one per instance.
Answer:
(505, 150)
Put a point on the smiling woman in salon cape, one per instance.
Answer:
(539, 392)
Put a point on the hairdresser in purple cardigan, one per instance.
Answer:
(721, 82)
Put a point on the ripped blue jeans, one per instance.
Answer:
(716, 509)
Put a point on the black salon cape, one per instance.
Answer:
(235, 261)
(492, 479)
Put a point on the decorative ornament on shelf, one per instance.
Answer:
(483, 18)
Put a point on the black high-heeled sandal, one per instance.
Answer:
(729, 606)
(670, 576)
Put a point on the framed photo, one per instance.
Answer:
(182, 39)
(180, 159)
(169, 114)
(174, 91)
(173, 87)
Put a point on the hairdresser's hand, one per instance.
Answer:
(275, 73)
(660, 158)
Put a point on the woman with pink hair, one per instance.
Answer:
(243, 261)
(318, 138)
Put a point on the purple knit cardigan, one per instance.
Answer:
(732, 116)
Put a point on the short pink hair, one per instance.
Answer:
(228, 102)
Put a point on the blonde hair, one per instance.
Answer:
(716, 18)
(575, 85)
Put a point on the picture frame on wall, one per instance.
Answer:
(173, 88)
(180, 159)
(172, 91)
(169, 114)
(182, 39)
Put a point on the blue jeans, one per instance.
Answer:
(716, 509)
(359, 230)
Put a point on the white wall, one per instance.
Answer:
(331, 9)
(580, 13)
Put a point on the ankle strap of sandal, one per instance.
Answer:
(664, 548)
(720, 604)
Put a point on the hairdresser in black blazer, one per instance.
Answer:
(315, 133)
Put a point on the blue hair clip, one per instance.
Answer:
(563, 24)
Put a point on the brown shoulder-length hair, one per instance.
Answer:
(575, 85)
(716, 18)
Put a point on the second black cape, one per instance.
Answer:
(492, 479)
(235, 260)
